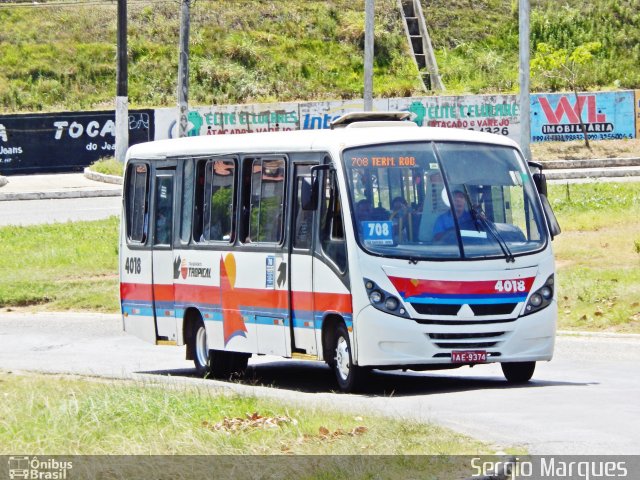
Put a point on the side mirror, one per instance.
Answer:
(539, 178)
(552, 221)
(310, 187)
(540, 181)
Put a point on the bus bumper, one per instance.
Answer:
(384, 340)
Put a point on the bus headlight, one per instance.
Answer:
(383, 300)
(375, 297)
(391, 303)
(541, 298)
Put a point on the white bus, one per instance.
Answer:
(374, 245)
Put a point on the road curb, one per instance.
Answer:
(550, 165)
(570, 333)
(59, 195)
(593, 173)
(102, 177)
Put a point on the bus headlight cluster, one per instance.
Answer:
(383, 300)
(541, 298)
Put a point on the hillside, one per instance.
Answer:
(61, 56)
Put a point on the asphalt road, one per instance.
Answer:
(585, 401)
(32, 212)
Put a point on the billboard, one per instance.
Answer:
(605, 115)
(63, 142)
(228, 119)
(637, 113)
(499, 114)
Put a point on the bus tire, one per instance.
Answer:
(518, 372)
(350, 377)
(201, 356)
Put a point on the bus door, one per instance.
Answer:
(261, 268)
(163, 268)
(136, 286)
(301, 268)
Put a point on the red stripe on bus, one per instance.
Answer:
(412, 287)
(244, 297)
(197, 294)
(163, 293)
(302, 301)
(339, 302)
(135, 291)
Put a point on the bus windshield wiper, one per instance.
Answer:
(480, 218)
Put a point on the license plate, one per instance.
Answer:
(468, 356)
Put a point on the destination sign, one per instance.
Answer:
(383, 161)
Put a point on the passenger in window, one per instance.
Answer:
(445, 224)
(401, 218)
(364, 209)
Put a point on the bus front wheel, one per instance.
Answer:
(349, 376)
(518, 372)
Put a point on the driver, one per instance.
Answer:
(445, 222)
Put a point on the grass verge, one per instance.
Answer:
(69, 415)
(64, 266)
(108, 166)
(598, 260)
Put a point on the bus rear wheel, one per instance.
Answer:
(200, 349)
(518, 372)
(350, 377)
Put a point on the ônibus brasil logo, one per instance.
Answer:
(22, 467)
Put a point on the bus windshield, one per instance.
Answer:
(443, 200)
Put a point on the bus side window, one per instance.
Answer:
(137, 204)
(198, 207)
(263, 200)
(331, 224)
(187, 201)
(215, 203)
(219, 202)
(164, 210)
(303, 225)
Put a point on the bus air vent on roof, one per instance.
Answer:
(375, 119)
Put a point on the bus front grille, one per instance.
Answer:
(452, 310)
(498, 309)
(429, 309)
(466, 340)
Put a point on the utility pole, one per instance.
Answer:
(525, 105)
(183, 69)
(122, 100)
(368, 54)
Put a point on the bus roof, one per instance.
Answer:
(305, 141)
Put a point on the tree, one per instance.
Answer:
(561, 66)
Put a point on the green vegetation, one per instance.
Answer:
(108, 166)
(58, 58)
(597, 260)
(68, 266)
(63, 57)
(477, 42)
(74, 266)
(57, 415)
